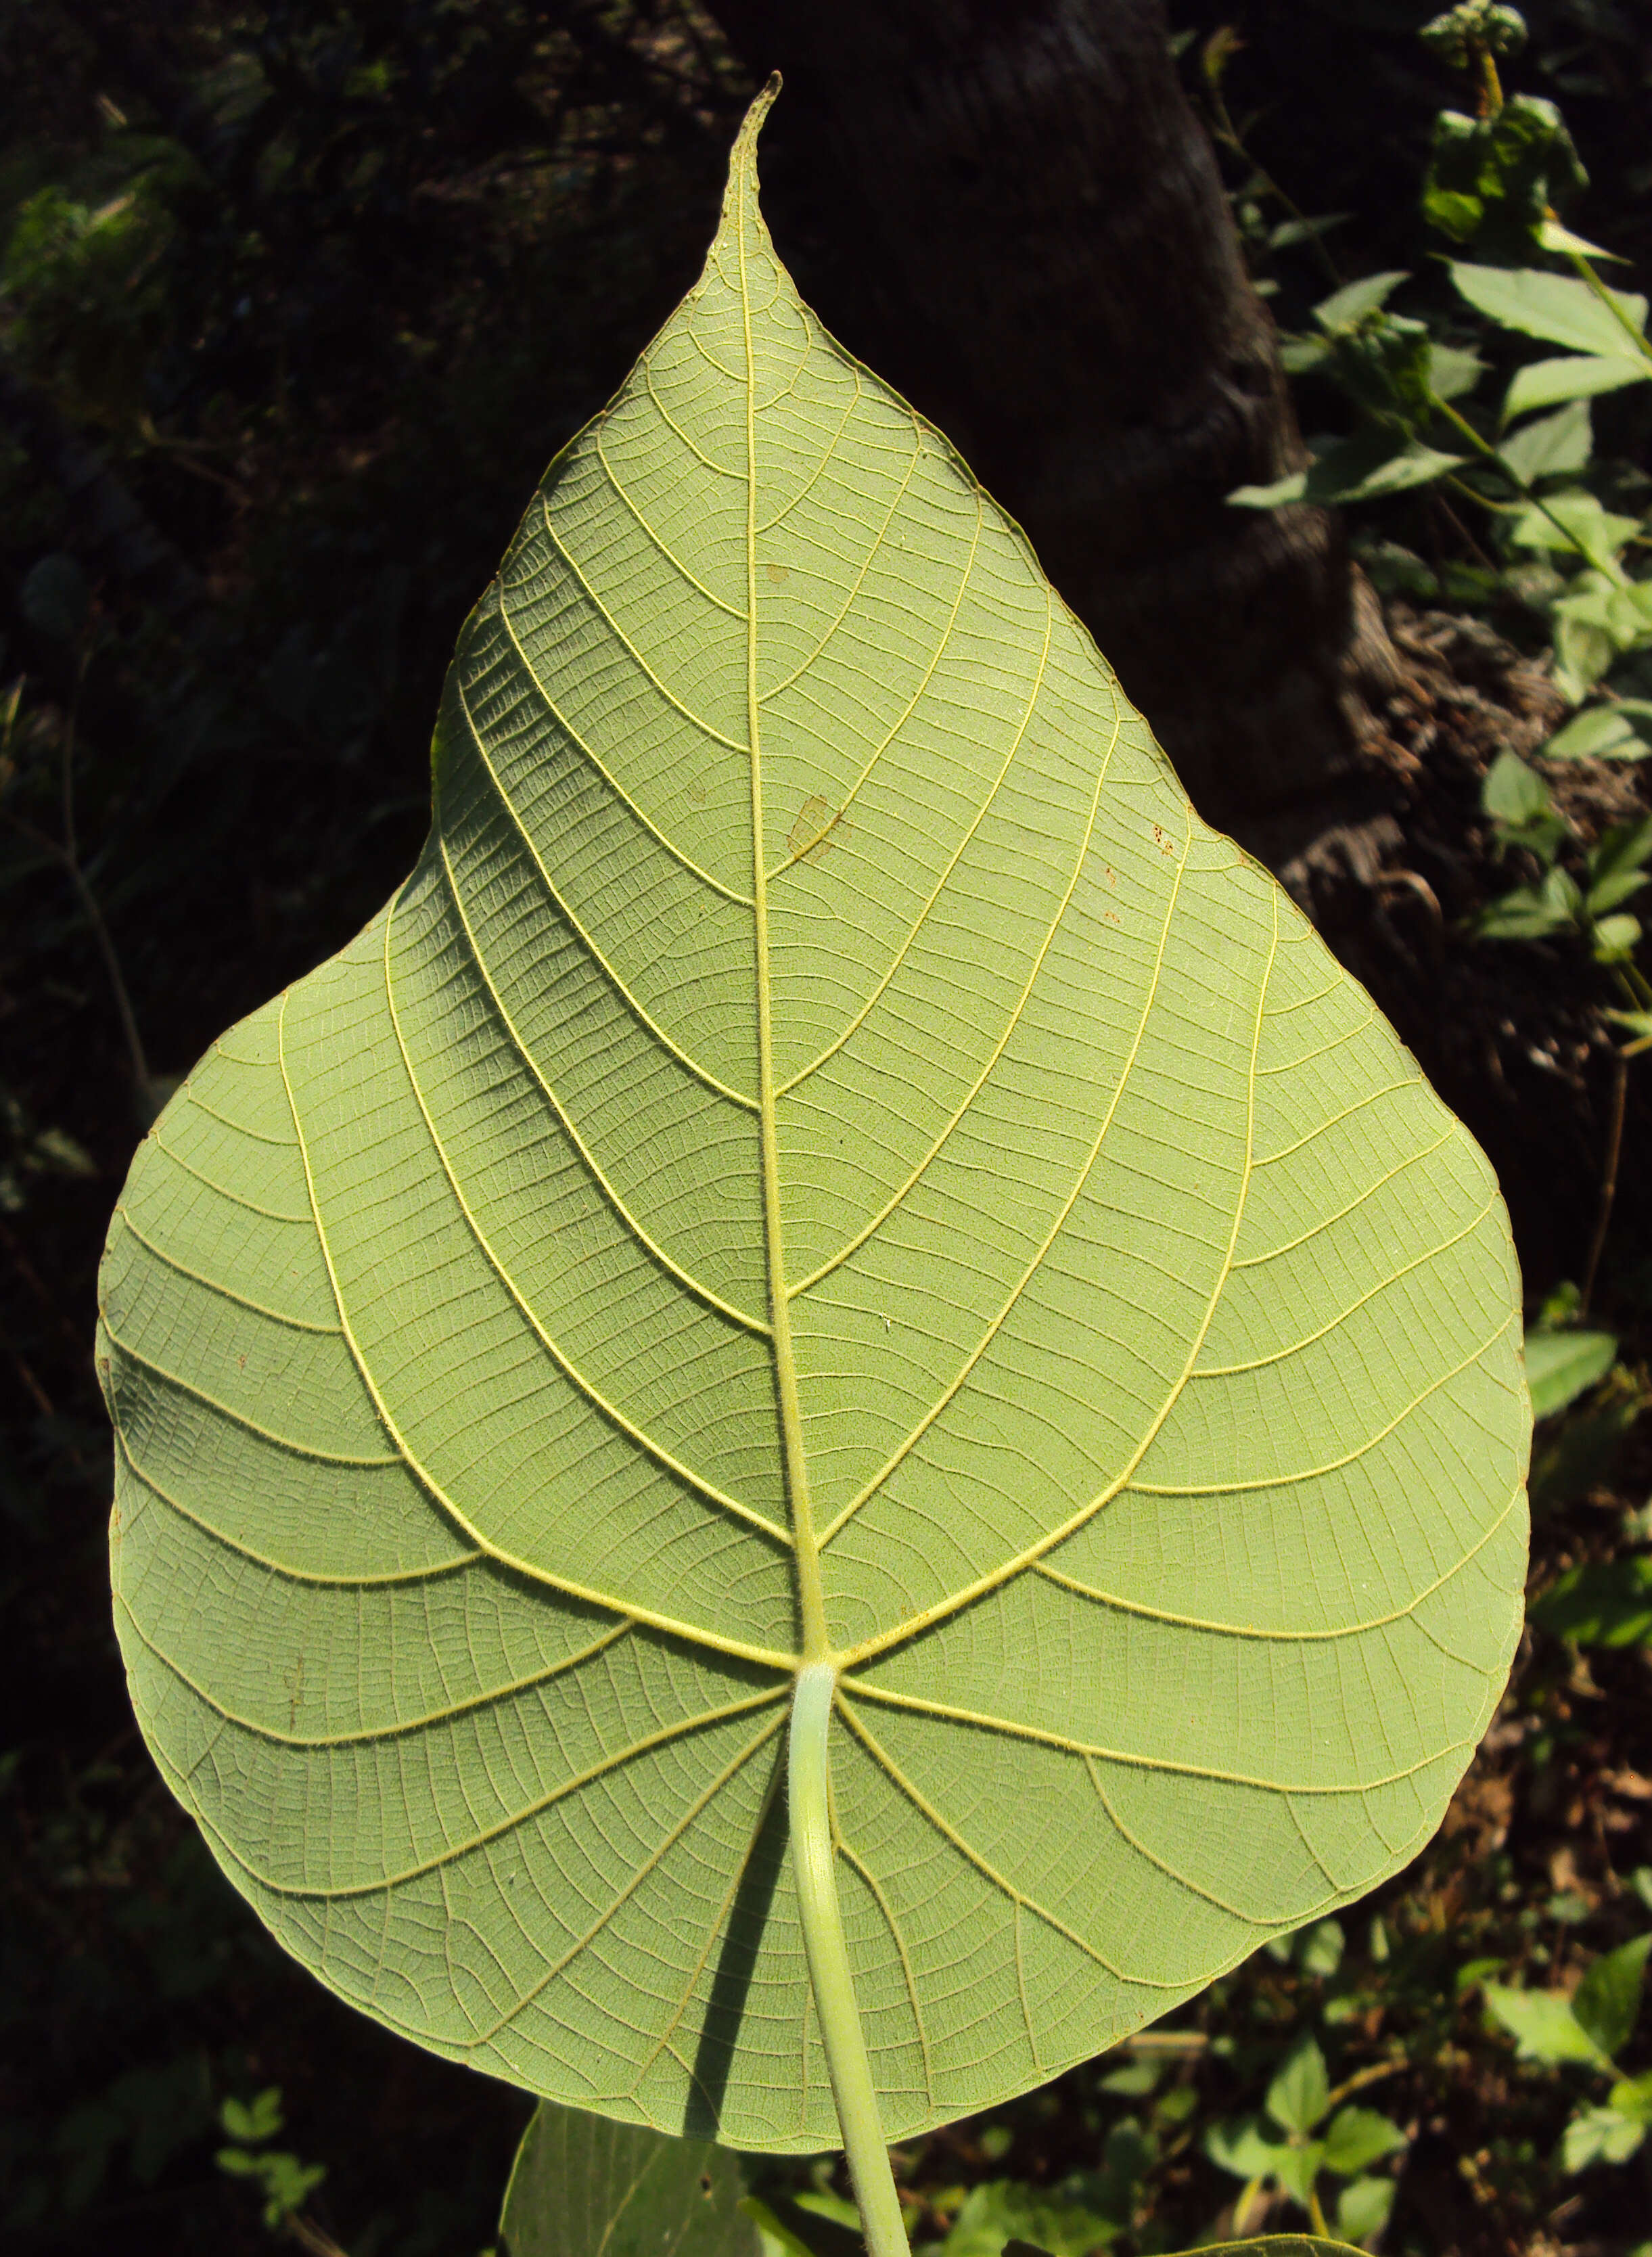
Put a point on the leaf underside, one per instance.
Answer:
(1130, 1329)
(581, 2187)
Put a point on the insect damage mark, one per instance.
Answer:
(810, 836)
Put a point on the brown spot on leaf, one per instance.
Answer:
(777, 573)
(811, 835)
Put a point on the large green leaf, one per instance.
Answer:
(583, 2186)
(824, 1133)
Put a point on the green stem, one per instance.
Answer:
(1633, 986)
(813, 1864)
(1315, 2215)
(1227, 133)
(1610, 566)
(1642, 343)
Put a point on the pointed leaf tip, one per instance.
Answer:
(743, 155)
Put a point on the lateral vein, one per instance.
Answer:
(553, 1348)
(644, 1017)
(692, 1633)
(1024, 1560)
(685, 1278)
(600, 768)
(694, 719)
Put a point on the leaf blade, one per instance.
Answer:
(816, 997)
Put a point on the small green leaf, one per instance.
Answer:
(1612, 939)
(1607, 2000)
(1362, 468)
(1599, 619)
(1351, 303)
(1322, 1948)
(1604, 733)
(1576, 523)
(1359, 2137)
(1292, 487)
(1632, 2096)
(1599, 2135)
(259, 2118)
(1555, 308)
(1560, 1366)
(1514, 794)
(1415, 465)
(1394, 569)
(1005, 2211)
(1290, 231)
(1472, 1971)
(1617, 864)
(1553, 236)
(1383, 363)
(1245, 2149)
(1363, 2208)
(1523, 913)
(1584, 1451)
(1604, 1602)
(583, 2186)
(1561, 896)
(811, 2225)
(288, 2184)
(1128, 2153)
(1573, 375)
(1298, 2095)
(1296, 2167)
(1453, 370)
(1543, 2025)
(1550, 446)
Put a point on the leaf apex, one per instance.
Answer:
(743, 155)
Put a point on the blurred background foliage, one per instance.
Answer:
(296, 301)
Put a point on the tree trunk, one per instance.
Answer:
(1009, 209)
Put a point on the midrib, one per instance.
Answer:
(816, 1645)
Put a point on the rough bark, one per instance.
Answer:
(1008, 208)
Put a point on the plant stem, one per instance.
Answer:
(813, 1864)
(1608, 298)
(312, 2237)
(66, 853)
(1226, 133)
(1612, 569)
